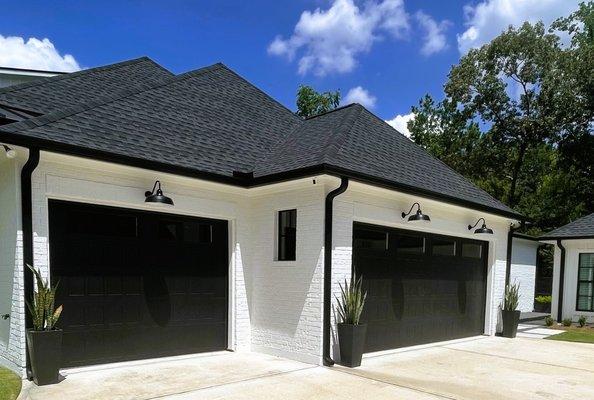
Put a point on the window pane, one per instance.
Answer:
(586, 274)
(587, 260)
(368, 239)
(287, 235)
(444, 247)
(585, 289)
(101, 224)
(168, 230)
(410, 244)
(584, 303)
(472, 250)
(196, 232)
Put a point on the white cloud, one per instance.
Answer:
(399, 123)
(15, 52)
(489, 18)
(435, 39)
(361, 96)
(330, 40)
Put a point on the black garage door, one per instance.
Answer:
(137, 284)
(421, 288)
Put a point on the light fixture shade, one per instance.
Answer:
(483, 230)
(419, 217)
(157, 196)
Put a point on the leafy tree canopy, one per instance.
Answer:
(310, 102)
(517, 119)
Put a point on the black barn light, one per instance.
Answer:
(157, 196)
(418, 216)
(483, 230)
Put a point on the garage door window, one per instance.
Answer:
(410, 244)
(585, 297)
(368, 239)
(472, 250)
(91, 223)
(444, 247)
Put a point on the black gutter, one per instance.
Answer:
(577, 237)
(245, 181)
(27, 228)
(561, 281)
(328, 212)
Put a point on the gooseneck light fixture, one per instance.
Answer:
(156, 195)
(483, 230)
(418, 216)
(10, 153)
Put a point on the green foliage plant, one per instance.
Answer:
(42, 307)
(543, 299)
(549, 321)
(311, 103)
(567, 322)
(582, 321)
(511, 297)
(351, 302)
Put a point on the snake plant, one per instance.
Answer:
(351, 302)
(511, 297)
(43, 312)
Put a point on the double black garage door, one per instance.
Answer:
(421, 288)
(137, 284)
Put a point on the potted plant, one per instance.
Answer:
(44, 341)
(351, 333)
(542, 304)
(510, 313)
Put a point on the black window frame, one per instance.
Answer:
(289, 248)
(580, 281)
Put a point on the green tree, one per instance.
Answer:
(310, 102)
(517, 118)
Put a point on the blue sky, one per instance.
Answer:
(386, 53)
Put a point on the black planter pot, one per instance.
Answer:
(542, 307)
(510, 323)
(351, 340)
(45, 353)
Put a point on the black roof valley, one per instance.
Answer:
(213, 122)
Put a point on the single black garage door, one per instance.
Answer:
(421, 288)
(137, 284)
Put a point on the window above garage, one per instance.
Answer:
(287, 235)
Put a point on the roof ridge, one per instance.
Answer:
(70, 75)
(258, 89)
(331, 111)
(82, 107)
(348, 121)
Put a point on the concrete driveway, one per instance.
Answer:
(479, 368)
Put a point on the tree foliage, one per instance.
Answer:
(310, 102)
(517, 118)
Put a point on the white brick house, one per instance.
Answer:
(274, 300)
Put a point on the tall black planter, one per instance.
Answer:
(351, 340)
(510, 323)
(45, 353)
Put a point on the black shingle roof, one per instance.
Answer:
(213, 121)
(50, 94)
(580, 228)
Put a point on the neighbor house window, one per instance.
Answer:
(287, 235)
(585, 289)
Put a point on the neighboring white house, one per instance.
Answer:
(573, 273)
(14, 76)
(252, 218)
(523, 269)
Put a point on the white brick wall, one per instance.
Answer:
(523, 271)
(275, 307)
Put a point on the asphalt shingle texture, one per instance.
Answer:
(582, 227)
(212, 120)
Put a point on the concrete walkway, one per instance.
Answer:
(479, 368)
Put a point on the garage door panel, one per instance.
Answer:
(419, 294)
(147, 285)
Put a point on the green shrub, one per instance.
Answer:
(512, 297)
(351, 302)
(549, 321)
(42, 310)
(567, 322)
(582, 321)
(543, 299)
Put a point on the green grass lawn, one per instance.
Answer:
(10, 384)
(575, 335)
